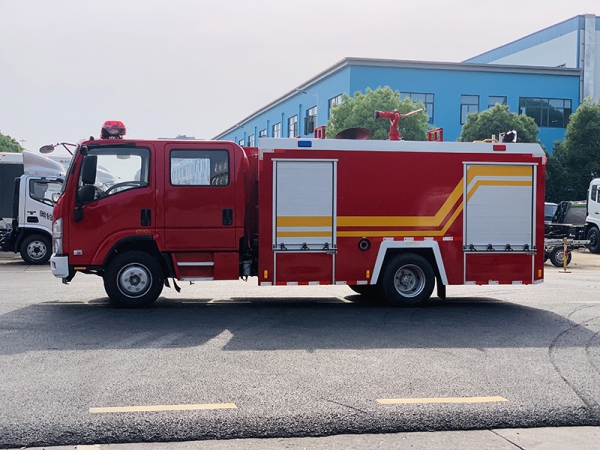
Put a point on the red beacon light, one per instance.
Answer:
(113, 129)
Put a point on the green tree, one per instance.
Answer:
(8, 144)
(575, 160)
(497, 120)
(359, 111)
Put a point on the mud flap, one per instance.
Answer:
(441, 289)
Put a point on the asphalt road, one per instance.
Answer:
(234, 360)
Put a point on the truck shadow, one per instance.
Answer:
(274, 324)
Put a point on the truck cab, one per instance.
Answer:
(166, 208)
(28, 229)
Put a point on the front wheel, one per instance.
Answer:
(407, 280)
(133, 280)
(35, 249)
(593, 236)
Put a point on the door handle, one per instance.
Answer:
(227, 218)
(146, 217)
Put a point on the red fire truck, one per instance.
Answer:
(387, 218)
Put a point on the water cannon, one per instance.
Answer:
(113, 129)
(394, 117)
(509, 136)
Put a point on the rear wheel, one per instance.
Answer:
(133, 280)
(593, 236)
(557, 256)
(35, 249)
(407, 280)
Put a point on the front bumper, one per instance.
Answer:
(59, 266)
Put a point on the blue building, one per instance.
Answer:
(509, 75)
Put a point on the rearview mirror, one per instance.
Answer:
(88, 169)
(47, 149)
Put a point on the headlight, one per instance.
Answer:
(57, 228)
(57, 236)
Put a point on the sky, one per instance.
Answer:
(197, 67)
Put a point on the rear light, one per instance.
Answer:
(499, 148)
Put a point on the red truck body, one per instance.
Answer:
(389, 219)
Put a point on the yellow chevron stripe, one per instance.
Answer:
(304, 234)
(498, 171)
(304, 221)
(410, 221)
(479, 183)
(415, 233)
(404, 221)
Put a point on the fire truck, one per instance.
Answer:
(389, 219)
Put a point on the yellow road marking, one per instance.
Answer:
(162, 408)
(395, 401)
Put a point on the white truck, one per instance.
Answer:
(577, 221)
(28, 184)
(592, 220)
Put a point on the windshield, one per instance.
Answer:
(69, 172)
(549, 210)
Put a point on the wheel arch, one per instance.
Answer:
(144, 244)
(430, 250)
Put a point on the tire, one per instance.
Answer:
(133, 279)
(407, 280)
(593, 236)
(36, 249)
(557, 256)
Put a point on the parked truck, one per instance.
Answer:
(28, 182)
(391, 219)
(576, 221)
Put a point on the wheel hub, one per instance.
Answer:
(409, 280)
(36, 249)
(134, 280)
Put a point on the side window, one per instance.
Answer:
(42, 191)
(120, 169)
(594, 192)
(199, 167)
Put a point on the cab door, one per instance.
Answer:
(123, 206)
(199, 201)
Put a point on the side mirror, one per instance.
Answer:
(88, 169)
(55, 197)
(85, 194)
(47, 149)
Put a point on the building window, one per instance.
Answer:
(493, 99)
(251, 140)
(293, 126)
(426, 99)
(310, 121)
(547, 112)
(337, 100)
(469, 104)
(262, 133)
(277, 130)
